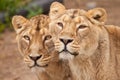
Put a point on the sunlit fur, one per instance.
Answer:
(36, 29)
(94, 52)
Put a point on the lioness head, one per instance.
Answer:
(75, 32)
(33, 39)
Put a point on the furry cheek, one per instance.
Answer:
(73, 48)
(28, 61)
(23, 46)
(59, 46)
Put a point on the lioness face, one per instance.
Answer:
(73, 32)
(34, 40)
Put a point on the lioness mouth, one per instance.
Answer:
(66, 51)
(37, 65)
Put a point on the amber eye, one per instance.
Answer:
(60, 24)
(82, 27)
(26, 37)
(48, 37)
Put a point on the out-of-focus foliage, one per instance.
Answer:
(8, 8)
(34, 10)
(11, 5)
(2, 27)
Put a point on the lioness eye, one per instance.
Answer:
(82, 27)
(48, 37)
(60, 24)
(26, 37)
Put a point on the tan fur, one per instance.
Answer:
(39, 43)
(92, 48)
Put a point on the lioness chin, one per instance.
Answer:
(81, 37)
(37, 48)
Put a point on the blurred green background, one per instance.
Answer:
(8, 8)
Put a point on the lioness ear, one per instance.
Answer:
(97, 14)
(56, 9)
(18, 23)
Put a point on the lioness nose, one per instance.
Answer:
(35, 58)
(66, 41)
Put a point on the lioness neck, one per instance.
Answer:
(82, 69)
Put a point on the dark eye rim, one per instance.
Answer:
(60, 24)
(82, 26)
(47, 37)
(26, 37)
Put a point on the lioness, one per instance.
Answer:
(81, 37)
(34, 43)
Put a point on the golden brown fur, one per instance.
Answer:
(37, 48)
(82, 38)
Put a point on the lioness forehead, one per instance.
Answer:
(38, 22)
(75, 12)
(73, 15)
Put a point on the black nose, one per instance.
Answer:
(35, 58)
(66, 41)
